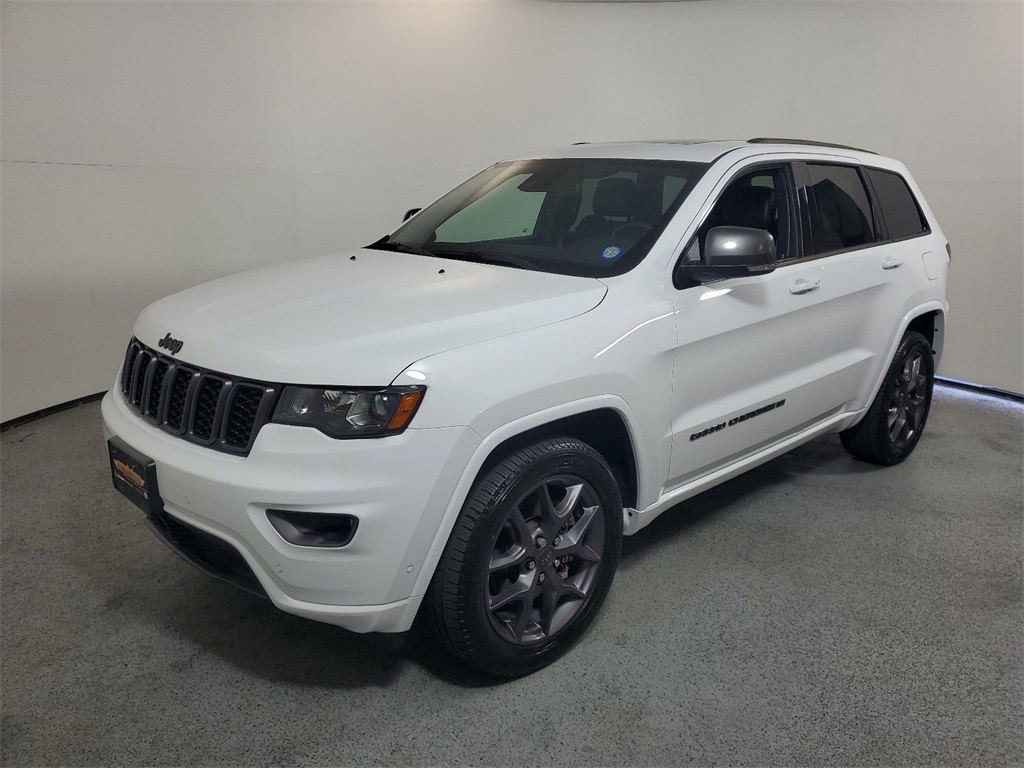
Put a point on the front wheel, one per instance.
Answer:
(894, 422)
(530, 559)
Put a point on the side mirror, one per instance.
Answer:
(410, 213)
(740, 248)
(730, 252)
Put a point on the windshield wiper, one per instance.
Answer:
(387, 245)
(493, 258)
(452, 253)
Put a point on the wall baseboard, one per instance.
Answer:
(51, 410)
(1017, 397)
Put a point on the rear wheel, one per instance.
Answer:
(893, 424)
(530, 560)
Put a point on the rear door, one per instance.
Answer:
(865, 278)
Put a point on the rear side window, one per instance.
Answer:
(839, 211)
(902, 214)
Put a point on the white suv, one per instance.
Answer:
(464, 418)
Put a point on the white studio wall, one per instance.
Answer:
(147, 147)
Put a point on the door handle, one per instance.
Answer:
(804, 286)
(891, 262)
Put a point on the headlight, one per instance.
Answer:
(349, 412)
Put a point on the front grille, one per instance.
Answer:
(178, 388)
(208, 400)
(156, 388)
(243, 411)
(142, 361)
(199, 405)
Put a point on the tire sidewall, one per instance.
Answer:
(911, 342)
(498, 652)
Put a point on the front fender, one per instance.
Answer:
(619, 356)
(487, 447)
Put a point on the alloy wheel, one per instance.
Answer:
(545, 560)
(908, 400)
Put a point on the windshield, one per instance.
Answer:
(588, 217)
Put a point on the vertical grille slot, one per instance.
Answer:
(176, 400)
(128, 367)
(243, 409)
(156, 388)
(139, 370)
(204, 412)
(204, 407)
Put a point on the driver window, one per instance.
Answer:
(756, 199)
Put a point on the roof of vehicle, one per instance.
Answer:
(694, 150)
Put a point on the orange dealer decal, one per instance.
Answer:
(130, 473)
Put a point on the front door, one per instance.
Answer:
(760, 357)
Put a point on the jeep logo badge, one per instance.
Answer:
(545, 559)
(171, 345)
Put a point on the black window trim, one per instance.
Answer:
(792, 195)
(881, 214)
(804, 182)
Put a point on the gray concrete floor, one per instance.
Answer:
(816, 611)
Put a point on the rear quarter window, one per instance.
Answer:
(903, 216)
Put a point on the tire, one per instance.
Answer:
(893, 424)
(530, 560)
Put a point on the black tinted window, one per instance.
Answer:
(757, 199)
(903, 217)
(840, 214)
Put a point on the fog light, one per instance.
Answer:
(313, 529)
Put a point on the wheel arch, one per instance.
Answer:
(604, 429)
(931, 324)
(600, 419)
(927, 319)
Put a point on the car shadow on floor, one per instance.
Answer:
(822, 456)
(251, 634)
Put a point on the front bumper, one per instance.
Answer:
(399, 487)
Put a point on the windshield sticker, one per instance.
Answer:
(611, 252)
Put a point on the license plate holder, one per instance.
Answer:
(134, 475)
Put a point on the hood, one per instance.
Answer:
(356, 319)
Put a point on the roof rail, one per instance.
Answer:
(806, 142)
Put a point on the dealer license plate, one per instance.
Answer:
(134, 475)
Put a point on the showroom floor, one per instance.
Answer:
(816, 611)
